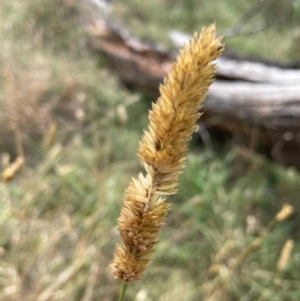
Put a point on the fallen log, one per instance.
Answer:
(256, 103)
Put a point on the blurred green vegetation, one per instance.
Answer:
(280, 19)
(58, 215)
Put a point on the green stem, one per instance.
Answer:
(123, 292)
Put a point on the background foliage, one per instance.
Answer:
(78, 128)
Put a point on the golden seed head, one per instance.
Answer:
(285, 255)
(286, 211)
(9, 173)
(172, 121)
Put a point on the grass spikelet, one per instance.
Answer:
(172, 121)
(285, 213)
(285, 255)
(9, 173)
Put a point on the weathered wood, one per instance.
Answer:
(265, 104)
(257, 72)
(246, 97)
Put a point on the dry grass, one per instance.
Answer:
(57, 219)
(33, 95)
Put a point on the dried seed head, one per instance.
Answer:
(286, 211)
(163, 148)
(9, 173)
(285, 255)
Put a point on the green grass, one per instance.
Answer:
(58, 216)
(154, 20)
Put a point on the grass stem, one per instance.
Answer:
(123, 291)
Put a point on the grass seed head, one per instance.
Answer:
(172, 121)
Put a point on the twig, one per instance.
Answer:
(236, 29)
